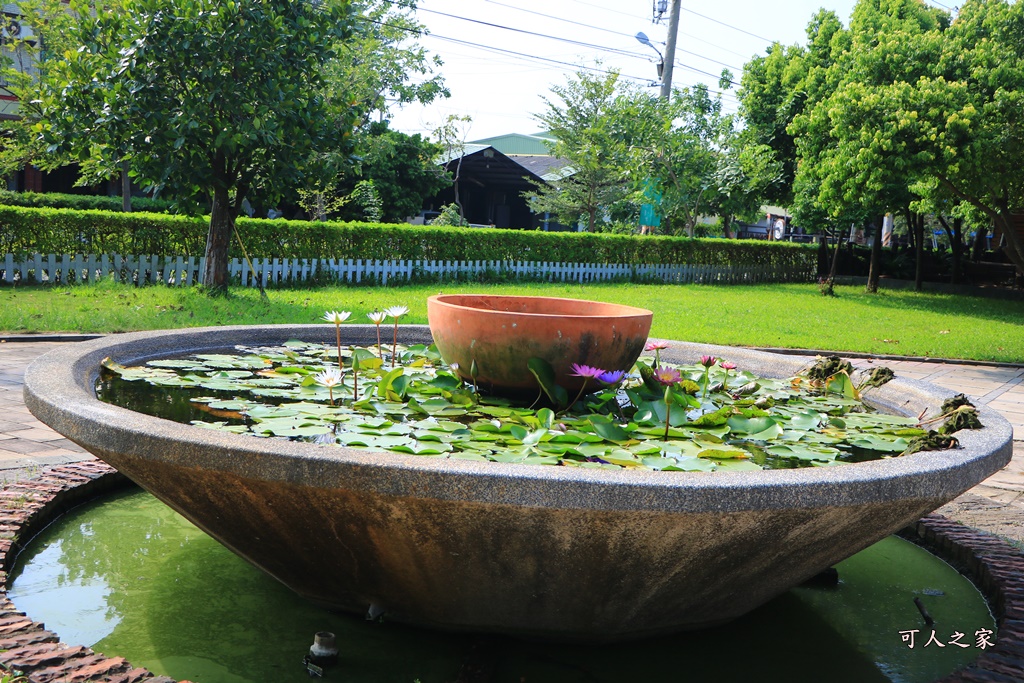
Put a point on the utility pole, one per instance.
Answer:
(670, 51)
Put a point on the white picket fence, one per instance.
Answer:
(184, 271)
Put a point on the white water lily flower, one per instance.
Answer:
(397, 312)
(329, 377)
(337, 317)
(377, 317)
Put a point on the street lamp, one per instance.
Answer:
(644, 40)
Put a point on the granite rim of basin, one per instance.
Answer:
(542, 551)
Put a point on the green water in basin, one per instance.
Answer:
(131, 578)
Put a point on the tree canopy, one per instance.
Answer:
(625, 146)
(228, 100)
(908, 110)
(584, 116)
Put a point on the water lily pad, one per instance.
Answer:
(737, 466)
(874, 442)
(221, 426)
(421, 448)
(609, 430)
(724, 453)
(803, 452)
(751, 425)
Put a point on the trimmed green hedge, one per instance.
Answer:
(65, 231)
(84, 202)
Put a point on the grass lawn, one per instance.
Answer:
(789, 315)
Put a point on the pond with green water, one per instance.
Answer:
(129, 577)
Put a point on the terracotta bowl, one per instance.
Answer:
(501, 334)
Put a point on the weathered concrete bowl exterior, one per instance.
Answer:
(502, 333)
(545, 551)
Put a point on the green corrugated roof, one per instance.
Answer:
(517, 143)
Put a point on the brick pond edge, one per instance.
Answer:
(28, 506)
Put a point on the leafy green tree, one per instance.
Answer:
(924, 116)
(965, 118)
(584, 117)
(698, 161)
(746, 175)
(851, 151)
(208, 97)
(677, 152)
(380, 65)
(25, 65)
(403, 169)
(451, 137)
(780, 86)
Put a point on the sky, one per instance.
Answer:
(502, 56)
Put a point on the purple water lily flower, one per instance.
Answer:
(611, 377)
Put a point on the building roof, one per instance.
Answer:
(546, 167)
(453, 154)
(484, 164)
(519, 144)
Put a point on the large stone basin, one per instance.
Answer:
(542, 551)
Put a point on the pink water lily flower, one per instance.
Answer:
(668, 376)
(727, 366)
(708, 361)
(586, 371)
(656, 346)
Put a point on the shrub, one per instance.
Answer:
(85, 202)
(66, 231)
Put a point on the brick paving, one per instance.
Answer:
(26, 507)
(42, 474)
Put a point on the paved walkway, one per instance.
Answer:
(996, 504)
(25, 443)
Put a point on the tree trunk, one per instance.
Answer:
(911, 234)
(875, 267)
(222, 225)
(835, 259)
(727, 226)
(956, 247)
(1014, 246)
(823, 254)
(126, 189)
(918, 224)
(980, 242)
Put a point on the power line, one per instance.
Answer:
(567, 21)
(544, 59)
(591, 46)
(608, 30)
(625, 53)
(614, 32)
(735, 28)
(639, 79)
